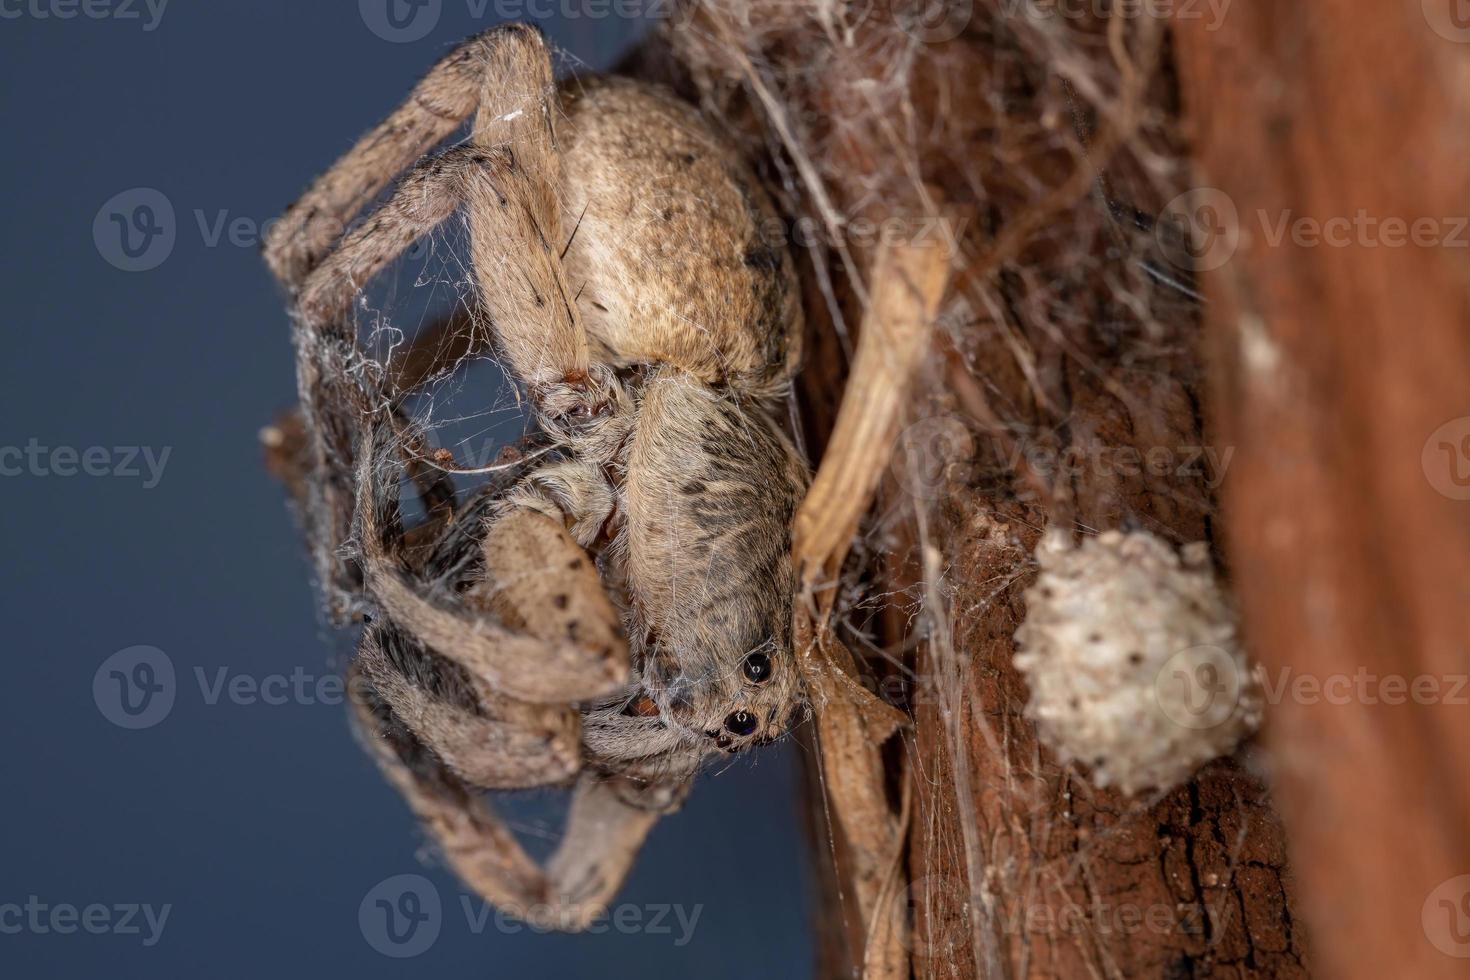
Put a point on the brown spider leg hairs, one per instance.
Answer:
(565, 667)
(510, 209)
(602, 836)
(438, 106)
(482, 739)
(505, 72)
(488, 684)
(401, 690)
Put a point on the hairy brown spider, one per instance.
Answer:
(654, 337)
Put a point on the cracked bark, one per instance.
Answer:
(1020, 868)
(1085, 882)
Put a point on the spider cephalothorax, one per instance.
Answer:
(617, 607)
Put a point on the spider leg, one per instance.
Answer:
(486, 739)
(337, 382)
(437, 106)
(508, 175)
(434, 349)
(515, 222)
(543, 630)
(480, 848)
(572, 492)
(517, 238)
(539, 578)
(424, 197)
(609, 820)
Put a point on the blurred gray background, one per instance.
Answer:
(145, 145)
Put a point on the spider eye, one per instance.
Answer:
(757, 668)
(740, 723)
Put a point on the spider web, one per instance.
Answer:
(1051, 130)
(1062, 156)
(463, 417)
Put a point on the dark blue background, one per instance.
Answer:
(263, 827)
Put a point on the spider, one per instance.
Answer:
(615, 608)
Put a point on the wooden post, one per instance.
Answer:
(1333, 139)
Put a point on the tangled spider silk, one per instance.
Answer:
(1042, 144)
(1131, 654)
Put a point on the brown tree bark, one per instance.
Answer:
(1063, 341)
(1343, 377)
(1074, 881)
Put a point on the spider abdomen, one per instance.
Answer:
(674, 250)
